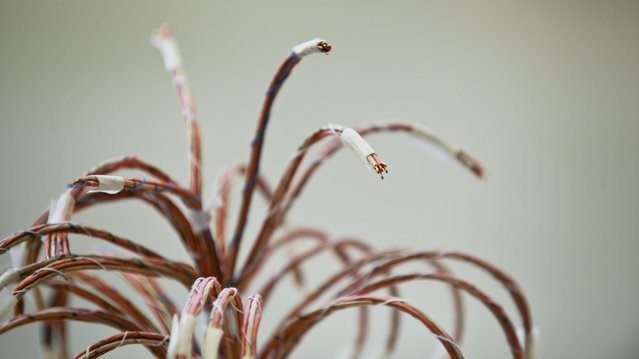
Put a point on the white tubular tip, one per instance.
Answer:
(7, 302)
(185, 336)
(108, 184)
(163, 41)
(363, 150)
(9, 276)
(212, 338)
(351, 139)
(173, 338)
(310, 47)
(61, 209)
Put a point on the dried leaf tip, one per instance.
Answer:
(316, 45)
(164, 31)
(162, 40)
(474, 165)
(449, 149)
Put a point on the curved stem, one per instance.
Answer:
(285, 194)
(123, 303)
(69, 227)
(86, 295)
(56, 313)
(273, 217)
(505, 280)
(475, 166)
(254, 161)
(281, 345)
(282, 73)
(46, 270)
(195, 243)
(164, 41)
(92, 182)
(130, 162)
(339, 248)
(270, 284)
(496, 309)
(158, 301)
(105, 167)
(155, 342)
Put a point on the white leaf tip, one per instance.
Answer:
(316, 45)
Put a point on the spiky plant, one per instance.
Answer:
(45, 265)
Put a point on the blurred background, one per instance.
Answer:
(545, 93)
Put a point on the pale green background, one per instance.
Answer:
(546, 93)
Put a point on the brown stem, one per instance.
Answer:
(254, 162)
(155, 342)
(496, 309)
(274, 217)
(46, 270)
(290, 335)
(70, 227)
(66, 313)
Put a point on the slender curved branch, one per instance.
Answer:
(338, 247)
(158, 301)
(105, 167)
(117, 297)
(284, 194)
(420, 131)
(131, 162)
(66, 313)
(155, 342)
(257, 144)
(95, 183)
(46, 270)
(196, 243)
(70, 227)
(496, 310)
(87, 295)
(163, 40)
(504, 279)
(270, 284)
(289, 336)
